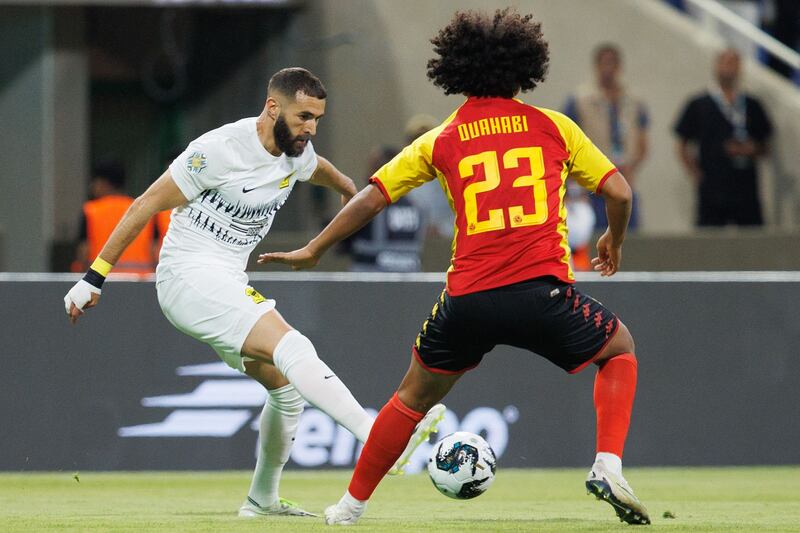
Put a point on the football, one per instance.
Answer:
(462, 465)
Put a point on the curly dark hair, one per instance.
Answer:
(483, 55)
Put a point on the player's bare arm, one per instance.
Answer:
(618, 197)
(329, 176)
(361, 209)
(163, 194)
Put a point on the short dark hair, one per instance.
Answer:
(483, 55)
(112, 171)
(607, 48)
(290, 80)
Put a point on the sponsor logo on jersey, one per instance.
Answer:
(225, 403)
(196, 162)
(285, 182)
(255, 295)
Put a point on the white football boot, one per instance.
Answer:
(283, 507)
(346, 512)
(422, 433)
(613, 488)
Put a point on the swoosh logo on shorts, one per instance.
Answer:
(246, 190)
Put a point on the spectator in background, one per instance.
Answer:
(615, 120)
(392, 241)
(437, 214)
(101, 213)
(722, 134)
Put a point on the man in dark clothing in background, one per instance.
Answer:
(729, 130)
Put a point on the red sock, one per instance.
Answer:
(614, 388)
(387, 439)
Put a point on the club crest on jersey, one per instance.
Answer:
(196, 162)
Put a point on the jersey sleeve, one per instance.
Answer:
(200, 167)
(408, 170)
(588, 166)
(307, 163)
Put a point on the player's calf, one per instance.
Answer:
(426, 427)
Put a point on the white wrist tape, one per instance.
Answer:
(80, 295)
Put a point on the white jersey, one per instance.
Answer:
(235, 188)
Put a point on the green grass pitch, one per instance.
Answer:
(699, 499)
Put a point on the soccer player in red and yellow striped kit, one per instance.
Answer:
(503, 165)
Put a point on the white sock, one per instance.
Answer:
(297, 359)
(613, 462)
(350, 501)
(276, 431)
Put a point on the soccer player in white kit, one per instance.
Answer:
(225, 190)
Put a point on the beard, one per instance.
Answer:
(291, 146)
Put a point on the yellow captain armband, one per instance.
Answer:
(101, 266)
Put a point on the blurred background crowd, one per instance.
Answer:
(696, 101)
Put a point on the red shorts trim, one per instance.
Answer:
(375, 181)
(610, 173)
(603, 347)
(416, 355)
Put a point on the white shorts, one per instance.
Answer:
(215, 306)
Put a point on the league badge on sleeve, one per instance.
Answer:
(196, 162)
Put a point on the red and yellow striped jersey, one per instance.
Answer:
(503, 165)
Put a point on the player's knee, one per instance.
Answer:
(622, 343)
(421, 396)
(265, 336)
(416, 400)
(623, 340)
(291, 349)
(266, 374)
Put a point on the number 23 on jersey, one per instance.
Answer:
(517, 217)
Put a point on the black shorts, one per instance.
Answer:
(543, 315)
